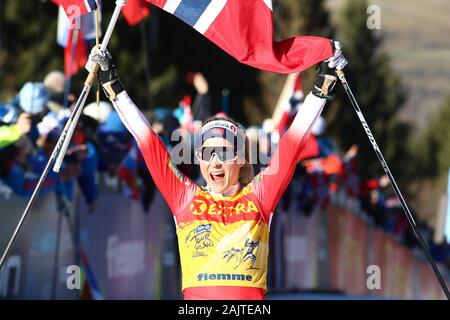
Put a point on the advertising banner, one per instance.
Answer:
(36, 267)
(301, 251)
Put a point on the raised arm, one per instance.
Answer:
(270, 184)
(175, 187)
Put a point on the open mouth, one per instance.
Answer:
(217, 177)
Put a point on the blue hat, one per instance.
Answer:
(33, 97)
(8, 113)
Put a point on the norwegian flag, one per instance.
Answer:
(72, 35)
(75, 56)
(323, 173)
(76, 8)
(244, 29)
(134, 11)
(291, 106)
(91, 290)
(330, 165)
(127, 172)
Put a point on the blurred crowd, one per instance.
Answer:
(31, 123)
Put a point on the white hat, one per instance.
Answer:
(98, 112)
(55, 81)
(33, 97)
(49, 124)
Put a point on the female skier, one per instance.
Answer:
(223, 227)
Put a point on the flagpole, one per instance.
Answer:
(397, 191)
(66, 135)
(96, 45)
(69, 75)
(87, 85)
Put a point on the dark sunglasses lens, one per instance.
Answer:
(207, 153)
(223, 153)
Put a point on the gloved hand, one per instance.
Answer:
(338, 60)
(325, 81)
(107, 74)
(326, 75)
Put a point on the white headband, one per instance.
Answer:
(227, 125)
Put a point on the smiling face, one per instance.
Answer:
(220, 176)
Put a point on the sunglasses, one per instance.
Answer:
(224, 154)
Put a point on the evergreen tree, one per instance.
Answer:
(434, 145)
(178, 49)
(28, 44)
(379, 93)
(292, 18)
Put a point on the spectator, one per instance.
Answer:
(86, 144)
(115, 141)
(10, 133)
(32, 99)
(201, 109)
(55, 86)
(50, 130)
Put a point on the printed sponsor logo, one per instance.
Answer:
(10, 276)
(201, 206)
(200, 238)
(247, 252)
(217, 131)
(224, 276)
(124, 258)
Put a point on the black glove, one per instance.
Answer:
(325, 81)
(326, 77)
(107, 74)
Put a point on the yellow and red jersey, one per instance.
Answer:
(223, 241)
